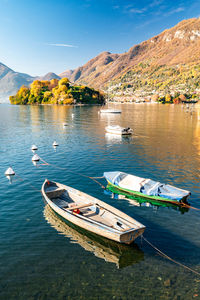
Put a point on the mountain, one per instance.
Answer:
(173, 47)
(49, 76)
(11, 81)
(166, 62)
(67, 74)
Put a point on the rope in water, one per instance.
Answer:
(149, 243)
(79, 174)
(168, 257)
(154, 247)
(23, 180)
(100, 177)
(189, 206)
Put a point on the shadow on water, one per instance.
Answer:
(119, 254)
(174, 245)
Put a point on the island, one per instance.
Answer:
(56, 92)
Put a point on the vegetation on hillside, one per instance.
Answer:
(162, 80)
(56, 92)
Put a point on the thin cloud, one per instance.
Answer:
(131, 9)
(155, 3)
(175, 11)
(134, 10)
(61, 45)
(137, 11)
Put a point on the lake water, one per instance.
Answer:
(41, 257)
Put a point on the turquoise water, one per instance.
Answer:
(41, 257)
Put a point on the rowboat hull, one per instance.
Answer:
(110, 251)
(127, 235)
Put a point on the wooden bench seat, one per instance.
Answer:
(80, 206)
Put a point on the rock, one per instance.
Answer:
(167, 283)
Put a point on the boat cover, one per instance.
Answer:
(146, 186)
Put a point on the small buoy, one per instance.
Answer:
(35, 157)
(34, 148)
(55, 144)
(72, 116)
(9, 173)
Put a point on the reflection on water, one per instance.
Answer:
(121, 255)
(117, 138)
(135, 200)
(38, 263)
(197, 131)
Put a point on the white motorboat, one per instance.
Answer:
(119, 130)
(110, 111)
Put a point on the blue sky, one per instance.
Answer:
(43, 36)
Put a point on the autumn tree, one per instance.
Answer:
(168, 98)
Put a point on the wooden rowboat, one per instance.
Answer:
(91, 213)
(120, 254)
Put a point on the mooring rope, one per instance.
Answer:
(45, 163)
(142, 237)
(168, 257)
(100, 177)
(25, 180)
(189, 206)
(79, 174)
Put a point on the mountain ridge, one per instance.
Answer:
(11, 81)
(168, 51)
(177, 45)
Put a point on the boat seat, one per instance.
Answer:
(80, 206)
(66, 205)
(55, 193)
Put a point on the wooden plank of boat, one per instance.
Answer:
(105, 249)
(91, 213)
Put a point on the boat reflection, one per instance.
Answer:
(119, 254)
(117, 138)
(139, 201)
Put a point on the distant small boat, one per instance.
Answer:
(65, 124)
(189, 102)
(91, 213)
(119, 130)
(110, 111)
(146, 188)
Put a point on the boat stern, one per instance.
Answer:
(130, 236)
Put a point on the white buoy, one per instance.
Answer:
(9, 173)
(72, 116)
(35, 157)
(55, 144)
(34, 148)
